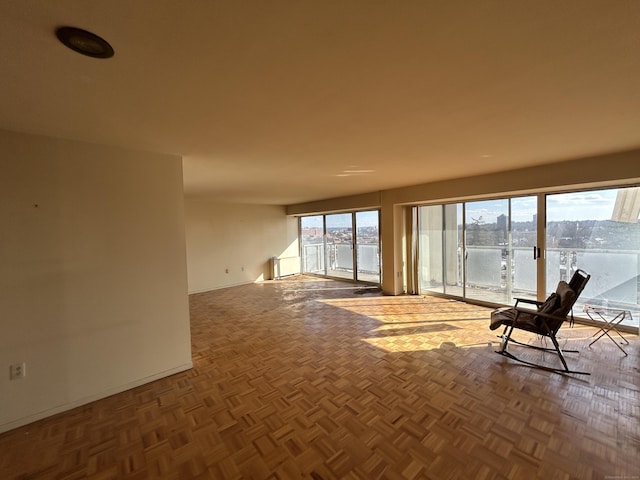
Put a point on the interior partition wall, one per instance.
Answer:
(492, 251)
(342, 245)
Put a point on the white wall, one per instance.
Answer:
(231, 244)
(93, 290)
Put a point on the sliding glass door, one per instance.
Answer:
(491, 251)
(524, 248)
(486, 250)
(367, 246)
(499, 249)
(598, 232)
(342, 245)
(312, 244)
(339, 245)
(440, 248)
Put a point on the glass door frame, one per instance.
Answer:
(490, 249)
(336, 261)
(354, 246)
(538, 252)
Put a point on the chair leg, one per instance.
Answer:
(559, 350)
(541, 367)
(506, 338)
(543, 349)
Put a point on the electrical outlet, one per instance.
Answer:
(17, 370)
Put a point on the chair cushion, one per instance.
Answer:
(506, 316)
(502, 316)
(558, 304)
(567, 299)
(551, 304)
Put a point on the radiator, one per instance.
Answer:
(285, 266)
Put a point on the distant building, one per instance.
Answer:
(502, 222)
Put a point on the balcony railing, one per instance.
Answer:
(337, 259)
(614, 274)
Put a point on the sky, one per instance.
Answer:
(363, 219)
(589, 205)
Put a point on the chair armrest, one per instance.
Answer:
(527, 300)
(530, 311)
(543, 317)
(539, 314)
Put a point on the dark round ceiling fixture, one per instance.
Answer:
(84, 42)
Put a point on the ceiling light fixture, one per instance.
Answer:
(353, 173)
(84, 42)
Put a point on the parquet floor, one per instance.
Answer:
(313, 379)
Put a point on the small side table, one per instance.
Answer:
(608, 319)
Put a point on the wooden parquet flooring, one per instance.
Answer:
(307, 378)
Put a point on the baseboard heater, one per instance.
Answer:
(285, 266)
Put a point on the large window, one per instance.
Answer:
(479, 250)
(491, 251)
(342, 245)
(500, 236)
(596, 231)
(312, 244)
(440, 249)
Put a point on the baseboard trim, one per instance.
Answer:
(220, 287)
(92, 398)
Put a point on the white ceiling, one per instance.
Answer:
(286, 101)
